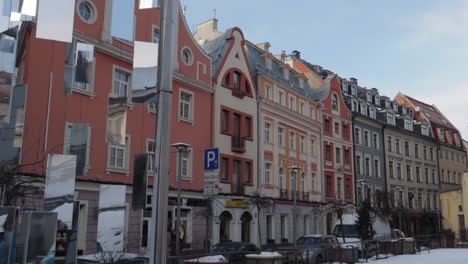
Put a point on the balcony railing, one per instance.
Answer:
(238, 144)
(284, 194)
(238, 93)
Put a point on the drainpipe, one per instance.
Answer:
(353, 117)
(439, 209)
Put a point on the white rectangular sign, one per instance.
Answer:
(211, 182)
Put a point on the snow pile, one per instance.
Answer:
(208, 259)
(436, 256)
(264, 254)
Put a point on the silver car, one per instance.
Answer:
(317, 248)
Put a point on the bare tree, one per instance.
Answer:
(259, 203)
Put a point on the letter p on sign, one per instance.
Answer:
(212, 159)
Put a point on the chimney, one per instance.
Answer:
(209, 25)
(265, 46)
(283, 55)
(296, 54)
(353, 80)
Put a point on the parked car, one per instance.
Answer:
(317, 248)
(235, 251)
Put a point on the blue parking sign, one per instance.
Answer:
(211, 159)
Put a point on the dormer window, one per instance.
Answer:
(334, 102)
(353, 90)
(390, 118)
(424, 130)
(301, 82)
(286, 73)
(268, 63)
(372, 112)
(363, 109)
(408, 124)
(403, 110)
(395, 107)
(387, 104)
(369, 97)
(354, 106)
(377, 100)
(344, 87)
(238, 83)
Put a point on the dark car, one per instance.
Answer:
(235, 251)
(317, 248)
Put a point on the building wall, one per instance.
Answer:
(452, 211)
(451, 161)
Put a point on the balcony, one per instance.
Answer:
(238, 144)
(237, 92)
(284, 194)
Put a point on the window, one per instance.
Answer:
(390, 169)
(338, 188)
(303, 144)
(416, 150)
(369, 97)
(354, 106)
(118, 156)
(86, 12)
(225, 121)
(150, 150)
(424, 130)
(329, 189)
(283, 227)
(286, 73)
(364, 109)
(366, 138)
(434, 201)
(224, 168)
(418, 174)
(156, 35)
(281, 136)
(326, 125)
(312, 112)
(407, 153)
(237, 80)
(346, 156)
(280, 97)
(328, 153)
(426, 174)
(433, 176)
(344, 131)
(186, 105)
(390, 118)
(335, 102)
(268, 92)
(372, 112)
(408, 124)
(357, 135)
(267, 172)
(292, 140)
(292, 103)
(303, 108)
(375, 138)
(409, 177)
(399, 171)
(338, 155)
(376, 168)
(358, 164)
(312, 179)
(353, 90)
(348, 190)
(281, 178)
(397, 145)
(367, 166)
(425, 152)
(248, 172)
(186, 165)
(312, 148)
(267, 132)
(337, 128)
(269, 227)
(443, 176)
(77, 142)
(187, 57)
(389, 143)
(121, 83)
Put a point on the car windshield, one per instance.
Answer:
(346, 231)
(309, 241)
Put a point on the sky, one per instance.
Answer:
(418, 47)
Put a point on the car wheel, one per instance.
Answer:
(319, 259)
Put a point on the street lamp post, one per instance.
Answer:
(181, 149)
(294, 170)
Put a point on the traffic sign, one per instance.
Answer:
(211, 182)
(211, 159)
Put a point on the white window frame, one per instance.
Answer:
(268, 169)
(408, 124)
(190, 104)
(377, 141)
(302, 107)
(424, 130)
(368, 143)
(126, 156)
(268, 133)
(372, 112)
(312, 148)
(292, 103)
(358, 139)
(280, 99)
(268, 91)
(302, 143)
(364, 109)
(116, 68)
(292, 140)
(286, 73)
(151, 155)
(390, 118)
(189, 161)
(312, 112)
(281, 136)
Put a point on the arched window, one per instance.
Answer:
(238, 83)
(237, 80)
(335, 102)
(225, 226)
(246, 220)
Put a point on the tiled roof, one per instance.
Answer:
(432, 113)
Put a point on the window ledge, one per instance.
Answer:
(118, 170)
(92, 95)
(187, 179)
(181, 119)
(150, 111)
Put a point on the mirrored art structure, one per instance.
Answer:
(111, 218)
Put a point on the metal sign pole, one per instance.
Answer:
(167, 51)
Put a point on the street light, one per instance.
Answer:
(294, 170)
(363, 183)
(181, 148)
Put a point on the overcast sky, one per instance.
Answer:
(418, 47)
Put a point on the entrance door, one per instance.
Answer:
(246, 220)
(225, 226)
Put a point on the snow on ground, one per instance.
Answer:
(436, 256)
